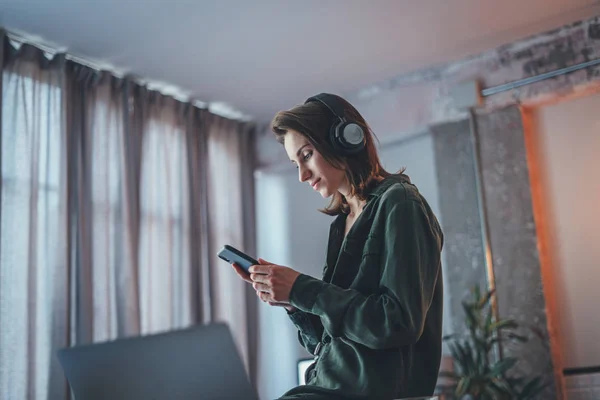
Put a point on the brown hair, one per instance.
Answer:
(314, 120)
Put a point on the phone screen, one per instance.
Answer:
(234, 256)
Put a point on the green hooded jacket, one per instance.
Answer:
(374, 321)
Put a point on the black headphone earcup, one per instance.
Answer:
(347, 137)
(333, 137)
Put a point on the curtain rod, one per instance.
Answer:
(218, 108)
(527, 81)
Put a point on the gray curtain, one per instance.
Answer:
(33, 251)
(107, 188)
(231, 203)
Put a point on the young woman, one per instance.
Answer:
(374, 320)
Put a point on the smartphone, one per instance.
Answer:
(232, 255)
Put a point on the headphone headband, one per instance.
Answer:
(330, 102)
(346, 137)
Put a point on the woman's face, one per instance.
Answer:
(312, 167)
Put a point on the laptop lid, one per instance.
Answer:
(200, 362)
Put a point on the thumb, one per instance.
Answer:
(262, 261)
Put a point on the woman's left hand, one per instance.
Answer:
(273, 283)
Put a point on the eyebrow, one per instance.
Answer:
(300, 149)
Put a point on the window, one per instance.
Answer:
(32, 229)
(164, 241)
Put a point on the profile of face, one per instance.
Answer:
(312, 167)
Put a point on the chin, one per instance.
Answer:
(325, 194)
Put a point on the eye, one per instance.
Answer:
(308, 155)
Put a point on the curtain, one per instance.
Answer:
(102, 217)
(165, 295)
(32, 214)
(114, 199)
(230, 199)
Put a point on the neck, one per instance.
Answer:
(355, 205)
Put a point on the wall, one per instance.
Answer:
(459, 211)
(513, 239)
(289, 232)
(409, 103)
(568, 142)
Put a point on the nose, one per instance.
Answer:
(303, 174)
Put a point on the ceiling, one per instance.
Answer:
(261, 56)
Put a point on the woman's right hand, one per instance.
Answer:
(241, 273)
(246, 277)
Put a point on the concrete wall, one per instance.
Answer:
(514, 242)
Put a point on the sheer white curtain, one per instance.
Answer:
(114, 201)
(103, 210)
(33, 227)
(164, 262)
(233, 299)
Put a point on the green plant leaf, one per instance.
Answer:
(452, 336)
(476, 294)
(503, 386)
(473, 367)
(502, 366)
(473, 374)
(463, 386)
(465, 358)
(472, 320)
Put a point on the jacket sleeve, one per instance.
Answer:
(310, 329)
(410, 257)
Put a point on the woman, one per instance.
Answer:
(374, 320)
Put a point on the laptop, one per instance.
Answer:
(197, 363)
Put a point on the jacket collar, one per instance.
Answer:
(384, 185)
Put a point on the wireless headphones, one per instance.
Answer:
(346, 137)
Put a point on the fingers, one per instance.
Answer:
(261, 268)
(272, 298)
(242, 273)
(269, 294)
(261, 278)
(261, 287)
(266, 297)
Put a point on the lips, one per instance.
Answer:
(315, 183)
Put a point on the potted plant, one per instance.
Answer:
(477, 374)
